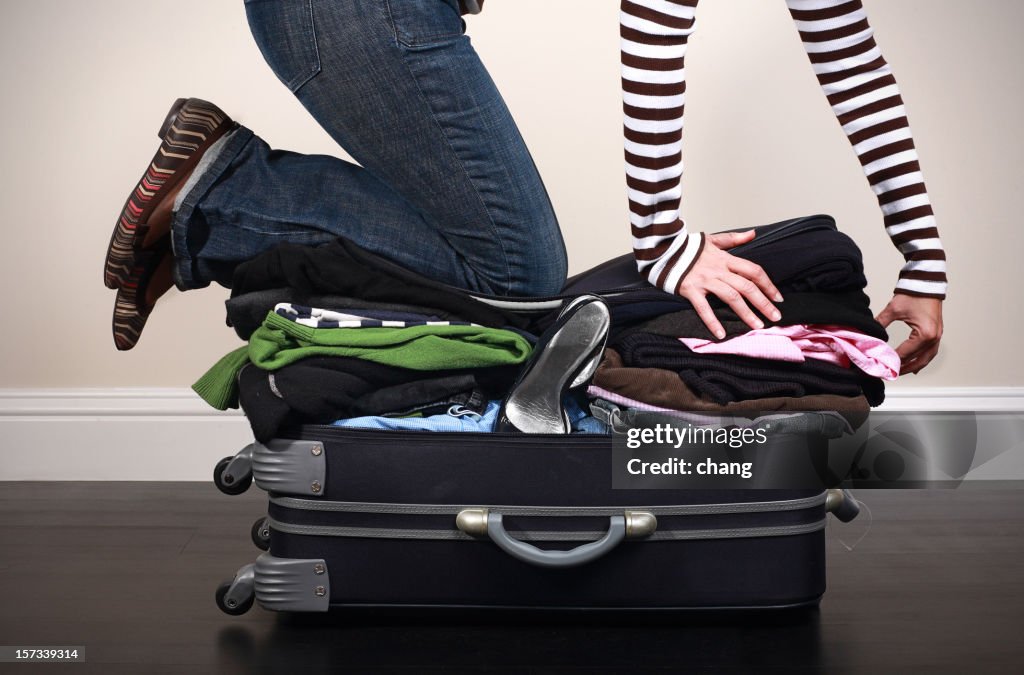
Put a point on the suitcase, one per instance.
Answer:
(370, 518)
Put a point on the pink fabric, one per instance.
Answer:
(594, 391)
(834, 344)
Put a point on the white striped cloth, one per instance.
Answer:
(315, 317)
(863, 94)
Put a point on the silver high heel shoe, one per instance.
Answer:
(566, 357)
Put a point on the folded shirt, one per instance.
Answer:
(665, 389)
(319, 390)
(727, 379)
(796, 344)
(280, 342)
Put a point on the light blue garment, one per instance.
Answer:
(582, 423)
(444, 184)
(460, 419)
(587, 424)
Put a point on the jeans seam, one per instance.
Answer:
(476, 190)
(317, 67)
(493, 226)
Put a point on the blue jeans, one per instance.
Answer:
(446, 186)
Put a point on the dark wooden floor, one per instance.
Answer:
(128, 570)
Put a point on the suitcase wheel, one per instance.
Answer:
(260, 533)
(233, 475)
(236, 596)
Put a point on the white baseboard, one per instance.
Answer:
(114, 434)
(977, 399)
(171, 434)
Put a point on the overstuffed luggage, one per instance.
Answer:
(361, 517)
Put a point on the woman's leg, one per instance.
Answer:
(446, 188)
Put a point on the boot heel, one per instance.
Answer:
(172, 115)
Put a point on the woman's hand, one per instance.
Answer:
(924, 316)
(734, 280)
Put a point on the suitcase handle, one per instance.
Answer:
(630, 524)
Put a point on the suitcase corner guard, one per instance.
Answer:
(292, 585)
(290, 467)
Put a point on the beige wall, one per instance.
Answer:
(87, 83)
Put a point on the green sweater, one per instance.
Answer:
(280, 341)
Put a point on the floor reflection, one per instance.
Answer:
(356, 641)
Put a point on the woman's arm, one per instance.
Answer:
(654, 34)
(863, 94)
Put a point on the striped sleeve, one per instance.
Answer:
(863, 94)
(654, 35)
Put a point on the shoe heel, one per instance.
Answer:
(602, 325)
(587, 373)
(172, 115)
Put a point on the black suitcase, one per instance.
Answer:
(383, 518)
(429, 519)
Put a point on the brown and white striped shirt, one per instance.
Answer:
(863, 94)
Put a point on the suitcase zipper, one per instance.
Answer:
(545, 535)
(453, 509)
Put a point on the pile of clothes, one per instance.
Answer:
(825, 353)
(337, 335)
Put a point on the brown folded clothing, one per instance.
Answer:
(665, 389)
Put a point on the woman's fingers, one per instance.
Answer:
(916, 352)
(732, 297)
(755, 273)
(704, 311)
(917, 363)
(726, 240)
(736, 282)
(753, 295)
